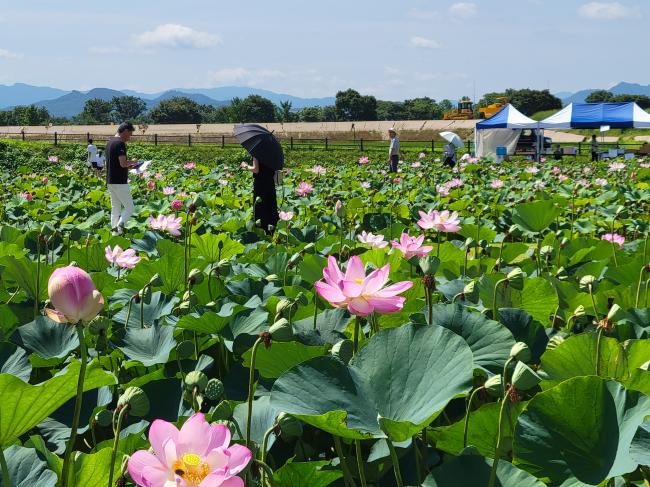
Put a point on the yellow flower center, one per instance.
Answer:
(358, 281)
(191, 468)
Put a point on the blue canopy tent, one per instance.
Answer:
(596, 115)
(501, 130)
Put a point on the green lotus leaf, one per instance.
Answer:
(640, 448)
(159, 306)
(581, 428)
(207, 246)
(150, 345)
(13, 360)
(403, 377)
(26, 469)
(281, 356)
(48, 339)
(264, 416)
(538, 298)
(535, 216)
(306, 474)
(93, 468)
(525, 330)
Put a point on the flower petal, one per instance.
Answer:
(194, 436)
(376, 280)
(394, 289)
(351, 289)
(355, 269)
(359, 307)
(239, 458)
(160, 432)
(139, 461)
(330, 293)
(386, 305)
(157, 477)
(219, 436)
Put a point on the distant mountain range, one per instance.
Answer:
(619, 89)
(63, 103)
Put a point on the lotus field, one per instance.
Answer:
(482, 327)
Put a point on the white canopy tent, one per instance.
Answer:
(501, 130)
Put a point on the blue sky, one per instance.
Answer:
(393, 50)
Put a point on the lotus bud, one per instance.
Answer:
(493, 386)
(546, 251)
(185, 349)
(524, 378)
(290, 427)
(293, 260)
(588, 282)
(73, 295)
(135, 400)
(98, 325)
(283, 304)
(156, 280)
(144, 294)
(196, 378)
(271, 228)
(554, 342)
(272, 277)
(429, 264)
(343, 350)
(258, 200)
(515, 279)
(339, 209)
(471, 292)
(561, 274)
(281, 331)
(214, 389)
(223, 410)
(616, 313)
(104, 418)
(195, 277)
(521, 352)
(579, 311)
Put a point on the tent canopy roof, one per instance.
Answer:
(507, 118)
(594, 115)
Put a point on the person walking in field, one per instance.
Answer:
(450, 155)
(91, 155)
(594, 148)
(117, 170)
(394, 151)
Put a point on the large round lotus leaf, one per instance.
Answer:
(306, 474)
(151, 346)
(538, 297)
(264, 416)
(158, 306)
(13, 360)
(524, 329)
(535, 216)
(475, 470)
(26, 469)
(576, 356)
(402, 378)
(581, 428)
(489, 340)
(48, 339)
(640, 448)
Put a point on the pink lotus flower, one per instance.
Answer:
(223, 182)
(556, 170)
(561, 178)
(616, 167)
(440, 221)
(125, 259)
(151, 184)
(416, 164)
(583, 182)
(304, 189)
(368, 238)
(542, 160)
(600, 181)
(189, 165)
(285, 216)
(364, 160)
(318, 170)
(73, 295)
(532, 169)
(168, 191)
(454, 183)
(421, 155)
(199, 455)
(53, 159)
(411, 246)
(26, 195)
(442, 190)
(145, 175)
(397, 180)
(176, 205)
(68, 167)
(586, 170)
(496, 184)
(166, 223)
(614, 238)
(157, 176)
(45, 180)
(359, 293)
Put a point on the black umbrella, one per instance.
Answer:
(261, 144)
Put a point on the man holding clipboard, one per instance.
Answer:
(117, 170)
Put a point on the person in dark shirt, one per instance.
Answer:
(117, 173)
(264, 195)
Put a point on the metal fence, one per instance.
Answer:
(289, 143)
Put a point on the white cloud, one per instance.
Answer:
(6, 54)
(243, 75)
(420, 14)
(103, 50)
(424, 43)
(463, 10)
(175, 35)
(606, 10)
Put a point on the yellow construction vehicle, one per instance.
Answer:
(490, 110)
(464, 111)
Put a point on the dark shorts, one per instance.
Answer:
(394, 159)
(93, 164)
(449, 161)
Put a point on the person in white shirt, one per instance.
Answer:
(92, 154)
(99, 163)
(450, 155)
(394, 151)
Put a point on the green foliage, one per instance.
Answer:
(127, 108)
(527, 101)
(178, 109)
(351, 105)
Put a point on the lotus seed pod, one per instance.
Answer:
(156, 280)
(290, 427)
(136, 400)
(524, 378)
(190, 297)
(214, 389)
(587, 282)
(98, 325)
(343, 350)
(258, 200)
(283, 304)
(516, 279)
(521, 352)
(104, 418)
(429, 264)
(281, 331)
(195, 277)
(223, 410)
(493, 386)
(561, 273)
(196, 378)
(554, 342)
(293, 260)
(470, 291)
(185, 349)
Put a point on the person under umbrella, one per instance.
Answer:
(267, 159)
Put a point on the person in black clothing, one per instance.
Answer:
(264, 196)
(117, 172)
(594, 148)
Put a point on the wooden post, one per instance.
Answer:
(155, 139)
(56, 138)
(433, 146)
(579, 148)
(361, 143)
(291, 142)
(469, 147)
(223, 141)
(87, 136)
(325, 143)
(189, 140)
(22, 132)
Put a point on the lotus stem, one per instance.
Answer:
(116, 442)
(251, 382)
(362, 473)
(593, 301)
(265, 469)
(504, 378)
(493, 472)
(128, 311)
(6, 480)
(38, 275)
(638, 288)
(438, 246)
(347, 475)
(495, 311)
(417, 454)
(598, 339)
(265, 443)
(395, 460)
(77, 406)
(355, 342)
(469, 408)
